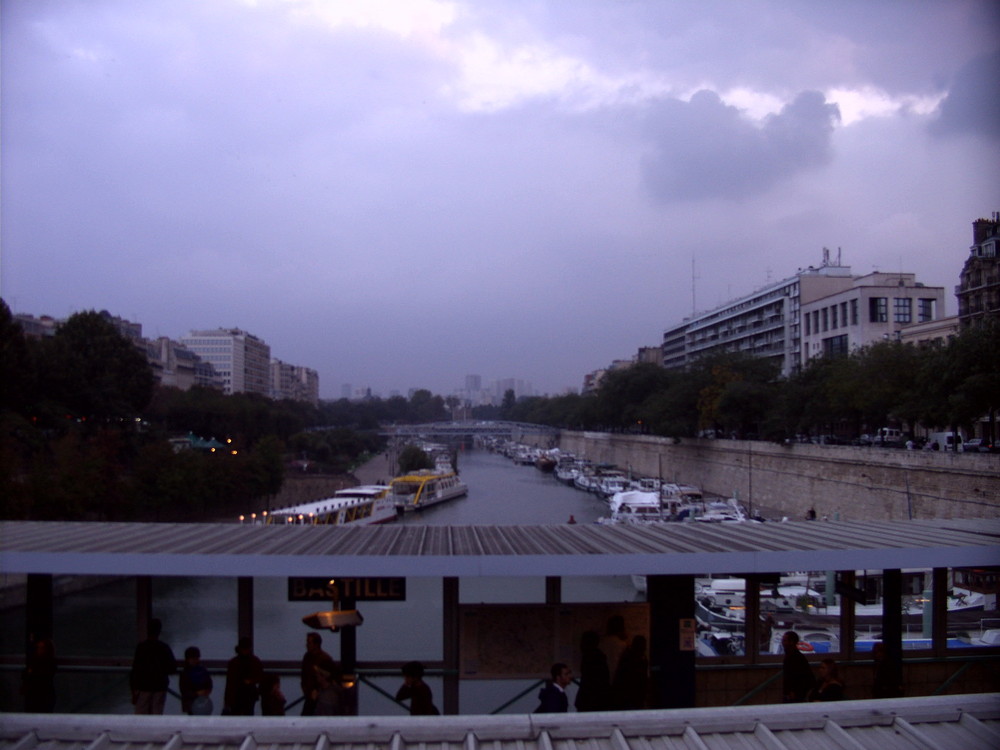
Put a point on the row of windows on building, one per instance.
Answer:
(846, 313)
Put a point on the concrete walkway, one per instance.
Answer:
(375, 471)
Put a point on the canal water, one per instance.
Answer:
(202, 611)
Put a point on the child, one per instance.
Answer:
(272, 700)
(196, 684)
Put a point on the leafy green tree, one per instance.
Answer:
(93, 371)
(414, 458)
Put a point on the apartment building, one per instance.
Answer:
(242, 360)
(765, 323)
(876, 307)
(978, 291)
(294, 382)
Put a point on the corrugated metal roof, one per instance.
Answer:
(562, 550)
(969, 722)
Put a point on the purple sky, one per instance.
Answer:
(398, 194)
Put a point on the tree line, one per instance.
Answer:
(945, 385)
(87, 434)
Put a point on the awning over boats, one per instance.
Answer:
(557, 550)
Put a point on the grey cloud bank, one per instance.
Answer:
(398, 194)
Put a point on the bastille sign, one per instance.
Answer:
(337, 589)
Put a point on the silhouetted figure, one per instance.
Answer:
(594, 693)
(614, 641)
(552, 698)
(415, 690)
(797, 677)
(152, 665)
(243, 674)
(330, 698)
(38, 679)
(272, 700)
(630, 686)
(829, 687)
(313, 657)
(195, 684)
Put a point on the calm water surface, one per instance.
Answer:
(202, 611)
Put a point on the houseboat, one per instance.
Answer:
(424, 488)
(360, 506)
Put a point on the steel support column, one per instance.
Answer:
(244, 607)
(450, 646)
(671, 657)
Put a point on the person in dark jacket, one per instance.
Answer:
(195, 684)
(829, 688)
(594, 693)
(552, 698)
(152, 665)
(415, 690)
(797, 677)
(630, 687)
(312, 658)
(243, 675)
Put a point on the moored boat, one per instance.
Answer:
(425, 488)
(363, 505)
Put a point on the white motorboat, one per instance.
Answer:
(635, 507)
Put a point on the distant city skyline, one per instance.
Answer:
(397, 194)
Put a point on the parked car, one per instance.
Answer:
(977, 445)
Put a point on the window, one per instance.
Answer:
(826, 318)
(854, 312)
(843, 314)
(925, 310)
(835, 346)
(807, 324)
(833, 317)
(878, 310)
(902, 310)
(815, 321)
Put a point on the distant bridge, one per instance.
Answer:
(470, 428)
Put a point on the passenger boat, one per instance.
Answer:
(359, 506)
(424, 488)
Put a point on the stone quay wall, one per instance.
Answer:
(838, 482)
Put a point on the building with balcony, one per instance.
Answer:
(978, 291)
(765, 323)
(242, 360)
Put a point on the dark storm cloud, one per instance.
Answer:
(707, 149)
(973, 102)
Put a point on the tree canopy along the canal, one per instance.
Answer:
(947, 385)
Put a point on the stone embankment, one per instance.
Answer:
(838, 482)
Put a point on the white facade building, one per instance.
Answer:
(242, 360)
(766, 323)
(875, 307)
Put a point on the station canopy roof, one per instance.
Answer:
(970, 722)
(245, 550)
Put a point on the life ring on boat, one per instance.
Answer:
(805, 646)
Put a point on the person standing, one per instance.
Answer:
(630, 687)
(313, 657)
(196, 684)
(152, 665)
(595, 678)
(272, 700)
(797, 677)
(243, 674)
(416, 691)
(830, 688)
(552, 698)
(614, 641)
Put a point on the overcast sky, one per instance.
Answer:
(398, 194)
